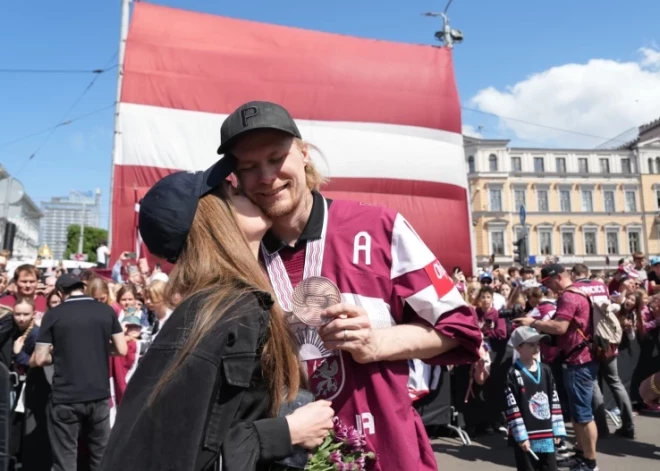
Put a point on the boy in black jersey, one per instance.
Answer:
(533, 410)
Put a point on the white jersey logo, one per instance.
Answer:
(364, 423)
(362, 243)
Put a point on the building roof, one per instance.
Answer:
(645, 132)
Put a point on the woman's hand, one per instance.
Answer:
(309, 424)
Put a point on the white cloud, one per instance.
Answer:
(601, 98)
(468, 130)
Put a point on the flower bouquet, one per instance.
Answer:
(342, 450)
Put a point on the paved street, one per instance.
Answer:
(614, 454)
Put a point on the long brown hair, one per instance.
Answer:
(97, 287)
(217, 260)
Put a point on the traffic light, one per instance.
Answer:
(520, 254)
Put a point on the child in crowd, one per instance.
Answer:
(122, 368)
(533, 410)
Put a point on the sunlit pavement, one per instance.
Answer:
(614, 454)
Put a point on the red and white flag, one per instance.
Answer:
(385, 115)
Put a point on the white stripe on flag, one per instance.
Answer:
(187, 140)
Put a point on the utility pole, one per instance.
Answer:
(116, 141)
(82, 221)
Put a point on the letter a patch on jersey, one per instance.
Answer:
(439, 278)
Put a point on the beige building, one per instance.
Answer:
(583, 206)
(647, 147)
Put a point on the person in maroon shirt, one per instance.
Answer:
(493, 327)
(571, 326)
(399, 303)
(609, 371)
(26, 278)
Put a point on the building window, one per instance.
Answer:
(516, 164)
(657, 199)
(626, 168)
(495, 200)
(545, 241)
(565, 201)
(651, 167)
(568, 243)
(587, 201)
(519, 197)
(492, 163)
(497, 242)
(583, 165)
(612, 241)
(634, 240)
(471, 164)
(561, 164)
(590, 247)
(542, 200)
(657, 164)
(539, 165)
(609, 201)
(604, 165)
(631, 202)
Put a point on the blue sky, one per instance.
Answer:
(506, 42)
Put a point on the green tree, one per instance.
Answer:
(91, 240)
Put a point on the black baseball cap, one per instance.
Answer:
(168, 208)
(67, 281)
(252, 116)
(551, 270)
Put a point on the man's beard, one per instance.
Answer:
(281, 208)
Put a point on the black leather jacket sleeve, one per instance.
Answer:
(248, 444)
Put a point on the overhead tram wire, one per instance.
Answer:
(64, 118)
(58, 125)
(58, 71)
(553, 128)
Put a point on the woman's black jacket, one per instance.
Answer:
(217, 401)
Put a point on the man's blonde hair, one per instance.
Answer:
(313, 177)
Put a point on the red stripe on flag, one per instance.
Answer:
(448, 202)
(214, 64)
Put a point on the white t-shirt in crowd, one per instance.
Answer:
(101, 253)
(499, 301)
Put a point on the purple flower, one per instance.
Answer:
(335, 457)
(360, 462)
(355, 440)
(341, 432)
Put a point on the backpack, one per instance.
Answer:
(606, 328)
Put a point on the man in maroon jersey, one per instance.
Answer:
(398, 302)
(572, 327)
(26, 278)
(600, 295)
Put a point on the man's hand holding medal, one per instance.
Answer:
(341, 326)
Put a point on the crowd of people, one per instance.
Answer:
(136, 303)
(594, 322)
(216, 366)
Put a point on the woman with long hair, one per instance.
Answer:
(214, 382)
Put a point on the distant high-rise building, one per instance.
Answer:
(61, 212)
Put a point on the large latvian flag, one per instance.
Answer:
(385, 115)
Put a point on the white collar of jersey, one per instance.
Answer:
(79, 297)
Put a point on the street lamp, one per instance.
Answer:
(82, 222)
